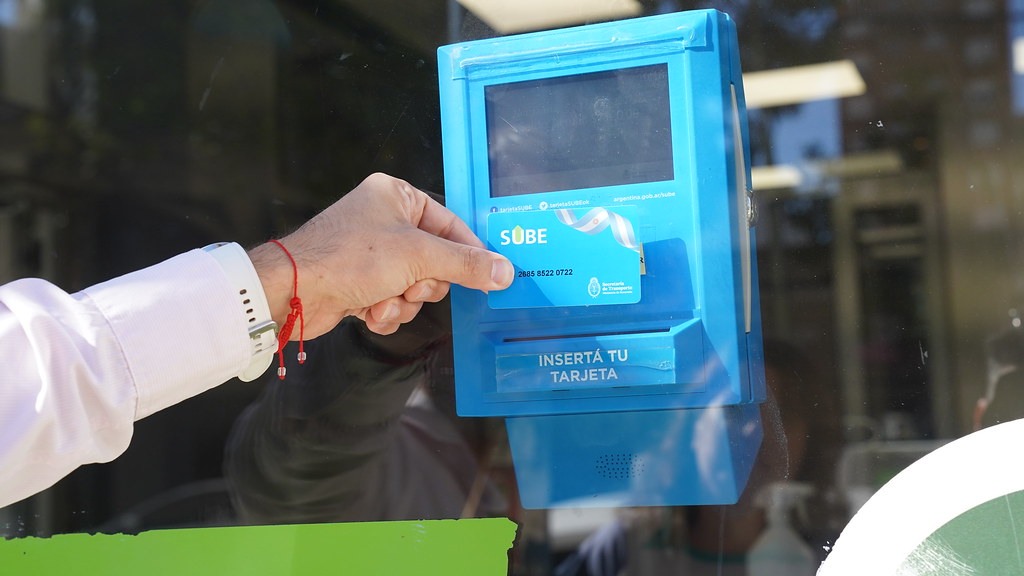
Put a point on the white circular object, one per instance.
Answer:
(927, 495)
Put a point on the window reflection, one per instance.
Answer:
(889, 247)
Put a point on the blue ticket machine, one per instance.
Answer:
(608, 162)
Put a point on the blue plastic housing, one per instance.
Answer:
(690, 350)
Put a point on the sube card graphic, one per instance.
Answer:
(567, 257)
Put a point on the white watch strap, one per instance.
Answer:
(253, 302)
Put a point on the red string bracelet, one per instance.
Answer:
(296, 313)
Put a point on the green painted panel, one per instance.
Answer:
(472, 547)
(985, 540)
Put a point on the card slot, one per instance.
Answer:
(583, 335)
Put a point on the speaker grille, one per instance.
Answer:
(619, 466)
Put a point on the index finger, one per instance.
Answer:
(440, 221)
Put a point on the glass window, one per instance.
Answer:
(885, 143)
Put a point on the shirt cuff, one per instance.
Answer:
(180, 327)
(251, 298)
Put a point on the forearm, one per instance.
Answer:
(80, 369)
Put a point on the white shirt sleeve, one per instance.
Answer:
(77, 370)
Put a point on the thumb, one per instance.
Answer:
(466, 265)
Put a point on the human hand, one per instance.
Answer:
(378, 253)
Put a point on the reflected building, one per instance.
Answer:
(918, 246)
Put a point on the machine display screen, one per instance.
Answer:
(582, 131)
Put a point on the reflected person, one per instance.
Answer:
(801, 442)
(1004, 399)
(366, 431)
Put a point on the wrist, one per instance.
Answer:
(275, 274)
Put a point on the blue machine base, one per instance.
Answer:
(650, 458)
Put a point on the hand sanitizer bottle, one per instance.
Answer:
(779, 550)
